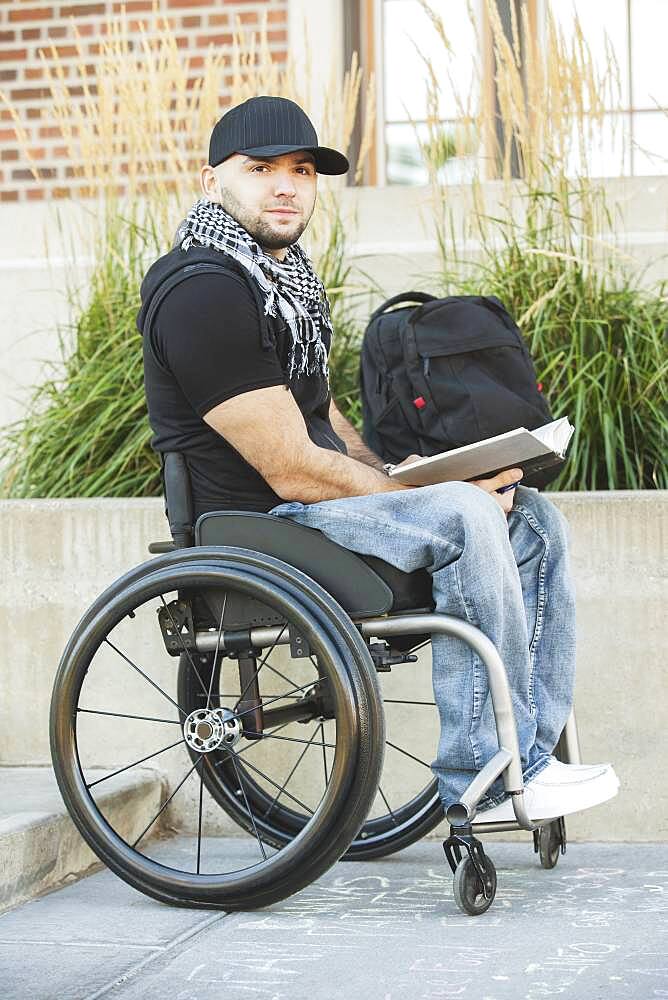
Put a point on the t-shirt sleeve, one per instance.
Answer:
(207, 333)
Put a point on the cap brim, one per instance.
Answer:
(327, 161)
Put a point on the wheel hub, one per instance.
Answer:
(208, 729)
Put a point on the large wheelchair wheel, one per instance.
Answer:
(245, 796)
(112, 668)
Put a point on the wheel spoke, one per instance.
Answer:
(262, 663)
(324, 755)
(401, 701)
(257, 743)
(215, 658)
(199, 820)
(128, 766)
(235, 696)
(294, 739)
(278, 673)
(304, 687)
(389, 807)
(420, 645)
(144, 675)
(185, 648)
(164, 805)
(250, 811)
(309, 743)
(401, 750)
(124, 715)
(247, 763)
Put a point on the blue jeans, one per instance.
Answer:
(509, 576)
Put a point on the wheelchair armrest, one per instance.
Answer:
(157, 547)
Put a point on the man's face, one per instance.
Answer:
(273, 199)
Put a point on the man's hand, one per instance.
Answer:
(504, 500)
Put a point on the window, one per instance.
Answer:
(401, 41)
(410, 43)
(634, 140)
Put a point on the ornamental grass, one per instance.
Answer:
(546, 245)
(87, 433)
(544, 236)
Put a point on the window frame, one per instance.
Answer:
(370, 45)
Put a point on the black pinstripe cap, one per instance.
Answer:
(271, 126)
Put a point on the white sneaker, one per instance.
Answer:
(558, 790)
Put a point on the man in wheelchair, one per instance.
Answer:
(237, 333)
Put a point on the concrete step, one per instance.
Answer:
(40, 848)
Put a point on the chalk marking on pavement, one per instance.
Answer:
(85, 944)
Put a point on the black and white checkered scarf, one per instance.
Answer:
(290, 287)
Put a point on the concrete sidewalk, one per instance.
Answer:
(594, 927)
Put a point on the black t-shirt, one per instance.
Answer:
(204, 347)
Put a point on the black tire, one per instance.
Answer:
(341, 654)
(549, 844)
(380, 836)
(468, 888)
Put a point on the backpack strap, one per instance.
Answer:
(206, 267)
(171, 282)
(421, 297)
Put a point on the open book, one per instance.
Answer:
(530, 451)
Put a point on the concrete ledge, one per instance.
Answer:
(40, 848)
(60, 554)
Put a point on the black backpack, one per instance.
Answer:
(445, 374)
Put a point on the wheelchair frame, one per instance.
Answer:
(506, 760)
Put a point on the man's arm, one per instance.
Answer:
(267, 429)
(354, 443)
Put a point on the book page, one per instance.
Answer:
(556, 435)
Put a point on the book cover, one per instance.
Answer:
(529, 450)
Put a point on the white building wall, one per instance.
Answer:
(392, 240)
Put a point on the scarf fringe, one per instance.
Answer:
(289, 288)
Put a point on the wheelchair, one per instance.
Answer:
(260, 646)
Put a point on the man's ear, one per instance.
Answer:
(209, 182)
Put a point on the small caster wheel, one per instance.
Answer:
(468, 888)
(549, 844)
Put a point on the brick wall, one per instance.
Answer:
(30, 26)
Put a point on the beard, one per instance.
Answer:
(261, 231)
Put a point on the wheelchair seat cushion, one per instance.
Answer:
(410, 591)
(365, 586)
